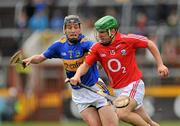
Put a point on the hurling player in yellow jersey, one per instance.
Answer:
(72, 48)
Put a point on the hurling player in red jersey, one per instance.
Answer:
(116, 53)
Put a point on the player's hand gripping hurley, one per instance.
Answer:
(17, 58)
(118, 102)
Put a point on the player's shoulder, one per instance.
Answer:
(132, 37)
(96, 45)
(63, 39)
(59, 42)
(86, 40)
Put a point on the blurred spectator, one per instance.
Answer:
(178, 46)
(11, 100)
(57, 21)
(29, 9)
(20, 15)
(141, 23)
(169, 50)
(172, 19)
(162, 12)
(22, 20)
(39, 21)
(111, 11)
(21, 23)
(7, 105)
(89, 22)
(2, 107)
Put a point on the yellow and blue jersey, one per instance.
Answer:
(73, 55)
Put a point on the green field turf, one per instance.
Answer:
(76, 123)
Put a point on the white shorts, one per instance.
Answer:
(84, 98)
(134, 90)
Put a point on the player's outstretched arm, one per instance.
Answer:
(35, 59)
(83, 68)
(162, 69)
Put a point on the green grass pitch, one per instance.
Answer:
(77, 123)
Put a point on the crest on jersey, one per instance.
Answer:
(112, 52)
(78, 53)
(123, 52)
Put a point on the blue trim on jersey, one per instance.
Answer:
(73, 56)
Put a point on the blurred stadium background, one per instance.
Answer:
(38, 93)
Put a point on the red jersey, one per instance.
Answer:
(118, 58)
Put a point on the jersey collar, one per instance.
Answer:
(117, 37)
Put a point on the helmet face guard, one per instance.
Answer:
(106, 24)
(106, 40)
(72, 20)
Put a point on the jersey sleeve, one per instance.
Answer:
(138, 41)
(51, 52)
(92, 56)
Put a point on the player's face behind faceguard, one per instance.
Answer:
(106, 28)
(72, 28)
